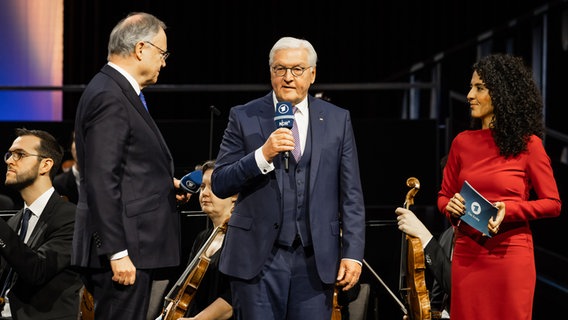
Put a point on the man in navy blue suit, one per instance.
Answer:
(295, 232)
(127, 226)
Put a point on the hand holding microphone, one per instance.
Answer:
(191, 182)
(188, 185)
(284, 118)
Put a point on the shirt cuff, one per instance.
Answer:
(118, 255)
(264, 166)
(426, 242)
(359, 262)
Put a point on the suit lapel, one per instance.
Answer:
(318, 126)
(13, 222)
(134, 99)
(137, 103)
(266, 116)
(39, 229)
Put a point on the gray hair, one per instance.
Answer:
(294, 43)
(137, 26)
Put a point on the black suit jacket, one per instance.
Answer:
(438, 262)
(64, 183)
(126, 192)
(45, 285)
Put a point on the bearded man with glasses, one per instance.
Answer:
(37, 280)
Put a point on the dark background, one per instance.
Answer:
(220, 58)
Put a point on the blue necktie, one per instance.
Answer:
(143, 100)
(23, 230)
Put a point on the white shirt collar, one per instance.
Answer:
(128, 77)
(76, 174)
(39, 204)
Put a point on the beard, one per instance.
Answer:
(23, 180)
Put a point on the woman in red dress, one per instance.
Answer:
(504, 160)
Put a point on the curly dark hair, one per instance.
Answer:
(517, 102)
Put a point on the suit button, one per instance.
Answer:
(276, 225)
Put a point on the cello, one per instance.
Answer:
(87, 305)
(412, 279)
(336, 311)
(180, 297)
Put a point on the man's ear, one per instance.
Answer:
(45, 166)
(138, 49)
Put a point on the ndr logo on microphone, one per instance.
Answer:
(190, 185)
(284, 117)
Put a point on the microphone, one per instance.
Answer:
(191, 182)
(214, 109)
(284, 118)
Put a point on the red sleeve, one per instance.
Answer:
(541, 179)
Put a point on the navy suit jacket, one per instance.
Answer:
(126, 195)
(46, 287)
(335, 196)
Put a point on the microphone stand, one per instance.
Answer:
(216, 112)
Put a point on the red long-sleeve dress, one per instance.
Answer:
(494, 278)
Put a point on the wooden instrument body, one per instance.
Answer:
(415, 292)
(336, 311)
(87, 305)
(183, 301)
(417, 296)
(188, 284)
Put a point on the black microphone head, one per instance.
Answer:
(284, 115)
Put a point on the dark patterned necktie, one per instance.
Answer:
(25, 220)
(297, 152)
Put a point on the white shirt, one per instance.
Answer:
(37, 208)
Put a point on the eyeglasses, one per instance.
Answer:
(165, 54)
(297, 71)
(17, 155)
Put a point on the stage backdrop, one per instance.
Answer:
(31, 32)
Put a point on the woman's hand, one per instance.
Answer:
(495, 222)
(456, 206)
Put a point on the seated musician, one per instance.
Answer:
(213, 297)
(437, 256)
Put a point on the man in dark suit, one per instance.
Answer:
(66, 183)
(283, 246)
(127, 224)
(36, 251)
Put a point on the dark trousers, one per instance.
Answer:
(288, 287)
(116, 301)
